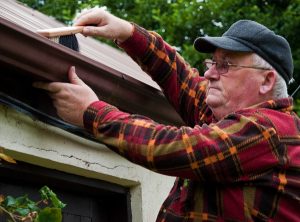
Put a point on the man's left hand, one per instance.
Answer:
(70, 99)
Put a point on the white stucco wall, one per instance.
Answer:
(34, 142)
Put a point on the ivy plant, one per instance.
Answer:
(17, 209)
(48, 209)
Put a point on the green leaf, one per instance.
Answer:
(33, 207)
(9, 201)
(48, 194)
(50, 215)
(22, 211)
(23, 200)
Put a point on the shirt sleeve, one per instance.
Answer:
(181, 84)
(234, 149)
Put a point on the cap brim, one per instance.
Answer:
(209, 44)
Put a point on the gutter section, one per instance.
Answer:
(26, 57)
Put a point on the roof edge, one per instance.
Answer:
(41, 59)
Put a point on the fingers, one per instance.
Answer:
(52, 87)
(93, 17)
(103, 31)
(82, 13)
(55, 87)
(73, 78)
(79, 18)
(69, 99)
(98, 22)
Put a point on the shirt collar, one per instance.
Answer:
(283, 105)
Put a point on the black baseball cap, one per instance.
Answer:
(250, 36)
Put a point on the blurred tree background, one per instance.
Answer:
(181, 21)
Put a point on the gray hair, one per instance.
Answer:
(280, 87)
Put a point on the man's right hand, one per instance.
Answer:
(99, 22)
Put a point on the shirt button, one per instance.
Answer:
(181, 188)
(164, 210)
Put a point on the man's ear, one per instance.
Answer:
(268, 82)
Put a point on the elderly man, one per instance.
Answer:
(238, 158)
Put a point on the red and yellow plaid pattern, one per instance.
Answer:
(245, 167)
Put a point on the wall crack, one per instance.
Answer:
(85, 162)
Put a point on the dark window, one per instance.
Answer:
(87, 200)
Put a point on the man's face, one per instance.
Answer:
(236, 89)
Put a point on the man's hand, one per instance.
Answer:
(70, 99)
(99, 22)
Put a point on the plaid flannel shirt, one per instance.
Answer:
(245, 167)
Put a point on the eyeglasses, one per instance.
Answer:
(222, 67)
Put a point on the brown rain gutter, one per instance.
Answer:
(26, 57)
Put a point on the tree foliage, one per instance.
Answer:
(181, 21)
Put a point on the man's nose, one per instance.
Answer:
(212, 73)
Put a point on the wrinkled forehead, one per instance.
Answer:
(223, 54)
